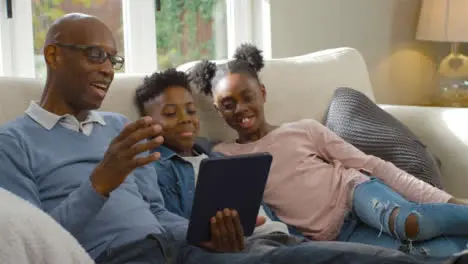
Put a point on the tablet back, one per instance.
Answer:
(234, 182)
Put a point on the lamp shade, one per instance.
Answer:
(443, 20)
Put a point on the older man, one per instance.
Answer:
(88, 170)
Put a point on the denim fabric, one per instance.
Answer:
(267, 242)
(154, 250)
(356, 231)
(292, 229)
(176, 179)
(439, 224)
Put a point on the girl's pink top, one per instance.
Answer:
(314, 173)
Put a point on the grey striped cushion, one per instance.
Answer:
(359, 121)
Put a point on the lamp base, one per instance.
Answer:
(451, 83)
(453, 77)
(453, 92)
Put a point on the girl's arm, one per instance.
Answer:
(333, 148)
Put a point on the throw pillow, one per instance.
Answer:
(359, 121)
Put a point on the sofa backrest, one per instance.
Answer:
(297, 87)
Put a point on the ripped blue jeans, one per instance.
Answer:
(443, 227)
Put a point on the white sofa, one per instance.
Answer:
(297, 87)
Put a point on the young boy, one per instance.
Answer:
(167, 98)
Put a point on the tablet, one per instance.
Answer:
(235, 182)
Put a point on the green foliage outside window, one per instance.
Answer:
(177, 23)
(44, 13)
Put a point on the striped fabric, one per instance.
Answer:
(359, 121)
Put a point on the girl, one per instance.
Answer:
(320, 184)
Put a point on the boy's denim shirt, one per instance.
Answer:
(176, 179)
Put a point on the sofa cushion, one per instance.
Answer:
(359, 121)
(15, 96)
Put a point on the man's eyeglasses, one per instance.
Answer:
(96, 54)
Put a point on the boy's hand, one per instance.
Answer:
(260, 221)
(227, 234)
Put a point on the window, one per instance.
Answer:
(149, 40)
(249, 21)
(45, 12)
(190, 30)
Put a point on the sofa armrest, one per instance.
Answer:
(445, 132)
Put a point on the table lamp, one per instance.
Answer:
(447, 21)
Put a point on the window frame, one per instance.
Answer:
(249, 21)
(16, 38)
(262, 26)
(139, 25)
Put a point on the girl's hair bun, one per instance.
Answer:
(251, 54)
(201, 76)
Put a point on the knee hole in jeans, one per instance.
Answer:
(411, 224)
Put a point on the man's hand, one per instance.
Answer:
(121, 158)
(227, 234)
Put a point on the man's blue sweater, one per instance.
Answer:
(51, 169)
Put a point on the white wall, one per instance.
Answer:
(383, 31)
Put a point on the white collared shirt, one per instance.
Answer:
(48, 120)
(195, 161)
